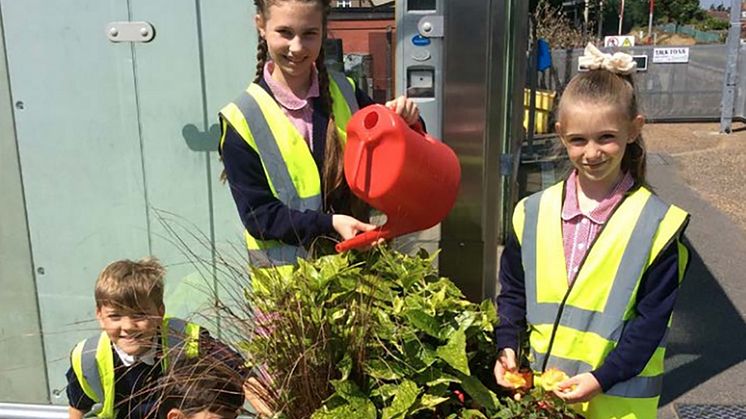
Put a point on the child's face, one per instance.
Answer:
(293, 31)
(132, 330)
(596, 136)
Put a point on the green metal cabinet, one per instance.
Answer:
(116, 149)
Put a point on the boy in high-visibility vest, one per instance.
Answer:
(115, 374)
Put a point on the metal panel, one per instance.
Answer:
(170, 97)
(229, 51)
(28, 411)
(740, 108)
(229, 62)
(483, 72)
(670, 92)
(419, 57)
(22, 373)
(80, 157)
(464, 126)
(110, 132)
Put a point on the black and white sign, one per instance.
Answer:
(671, 55)
(641, 60)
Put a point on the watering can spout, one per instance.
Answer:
(400, 171)
(362, 240)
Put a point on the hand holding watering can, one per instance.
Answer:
(400, 171)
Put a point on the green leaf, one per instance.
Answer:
(504, 413)
(405, 396)
(435, 376)
(385, 391)
(490, 313)
(382, 370)
(438, 298)
(466, 319)
(419, 355)
(481, 394)
(357, 408)
(357, 404)
(424, 322)
(472, 414)
(345, 366)
(429, 401)
(398, 305)
(347, 389)
(337, 313)
(454, 352)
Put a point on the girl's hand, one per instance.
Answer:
(349, 227)
(578, 389)
(505, 362)
(406, 108)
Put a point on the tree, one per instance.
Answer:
(679, 11)
(636, 13)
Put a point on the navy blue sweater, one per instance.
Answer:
(655, 300)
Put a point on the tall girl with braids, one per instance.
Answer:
(594, 263)
(283, 138)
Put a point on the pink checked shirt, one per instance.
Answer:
(298, 110)
(580, 230)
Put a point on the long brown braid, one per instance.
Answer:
(261, 58)
(336, 194)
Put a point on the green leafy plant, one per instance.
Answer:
(374, 335)
(358, 335)
(536, 403)
(353, 335)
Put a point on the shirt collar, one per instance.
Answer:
(284, 95)
(129, 360)
(600, 214)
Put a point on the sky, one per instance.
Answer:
(706, 3)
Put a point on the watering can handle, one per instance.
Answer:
(361, 240)
(418, 127)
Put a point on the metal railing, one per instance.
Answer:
(32, 411)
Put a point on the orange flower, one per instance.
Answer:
(551, 378)
(516, 380)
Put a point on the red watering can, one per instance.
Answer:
(400, 171)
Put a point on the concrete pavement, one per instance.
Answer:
(706, 358)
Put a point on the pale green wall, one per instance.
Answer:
(22, 372)
(110, 132)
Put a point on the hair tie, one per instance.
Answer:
(619, 63)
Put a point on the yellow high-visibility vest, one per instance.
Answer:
(286, 159)
(93, 361)
(573, 328)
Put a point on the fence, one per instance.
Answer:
(668, 92)
(700, 36)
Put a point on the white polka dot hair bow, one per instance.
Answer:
(619, 63)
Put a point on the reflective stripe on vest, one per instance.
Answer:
(348, 92)
(578, 325)
(90, 369)
(265, 255)
(93, 361)
(635, 387)
(259, 119)
(93, 364)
